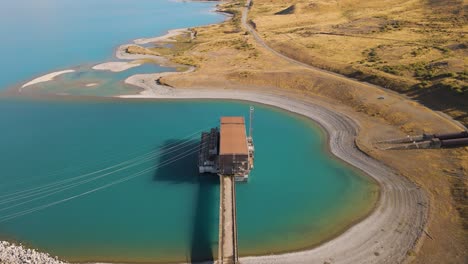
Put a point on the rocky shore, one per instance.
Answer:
(18, 254)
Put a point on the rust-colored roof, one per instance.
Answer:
(233, 138)
(232, 120)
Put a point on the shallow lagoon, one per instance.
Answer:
(48, 35)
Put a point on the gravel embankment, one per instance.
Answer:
(17, 254)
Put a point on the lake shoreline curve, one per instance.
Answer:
(386, 235)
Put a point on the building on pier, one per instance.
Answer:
(228, 150)
(233, 158)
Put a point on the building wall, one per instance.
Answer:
(230, 164)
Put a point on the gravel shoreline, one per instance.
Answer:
(17, 254)
(387, 235)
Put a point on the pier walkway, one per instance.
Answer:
(227, 251)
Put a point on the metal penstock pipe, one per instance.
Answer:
(463, 134)
(455, 142)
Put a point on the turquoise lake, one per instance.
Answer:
(116, 180)
(297, 194)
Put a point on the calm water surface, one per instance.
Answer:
(297, 194)
(43, 36)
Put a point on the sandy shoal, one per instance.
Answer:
(115, 66)
(164, 38)
(46, 78)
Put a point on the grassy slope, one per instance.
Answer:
(416, 47)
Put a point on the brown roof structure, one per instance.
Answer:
(233, 138)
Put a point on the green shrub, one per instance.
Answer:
(391, 70)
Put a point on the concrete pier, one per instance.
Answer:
(227, 251)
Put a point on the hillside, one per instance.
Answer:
(415, 47)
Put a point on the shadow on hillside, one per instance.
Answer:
(440, 98)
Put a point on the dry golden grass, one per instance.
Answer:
(169, 48)
(417, 47)
(134, 49)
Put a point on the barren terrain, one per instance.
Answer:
(416, 47)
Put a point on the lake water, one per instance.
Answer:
(44, 36)
(297, 194)
(100, 180)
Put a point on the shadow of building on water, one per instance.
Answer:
(180, 159)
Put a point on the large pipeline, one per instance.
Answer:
(463, 134)
(432, 144)
(426, 137)
(454, 142)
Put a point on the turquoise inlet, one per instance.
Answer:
(297, 196)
